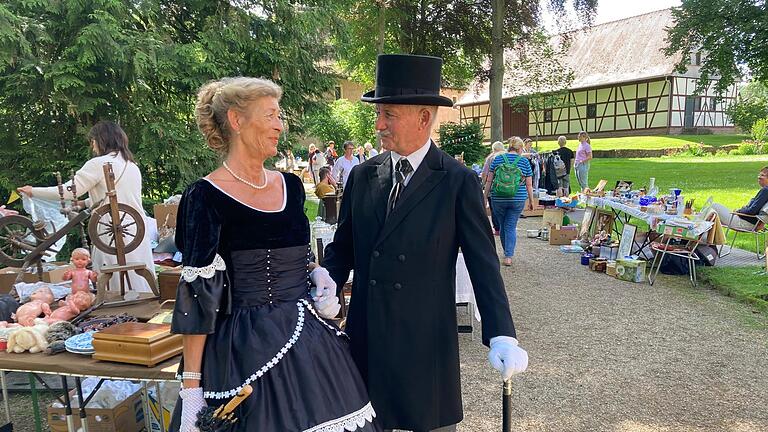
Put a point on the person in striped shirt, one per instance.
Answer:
(507, 210)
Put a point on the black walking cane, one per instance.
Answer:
(506, 404)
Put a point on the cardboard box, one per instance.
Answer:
(8, 279)
(598, 264)
(165, 215)
(168, 281)
(610, 268)
(552, 217)
(630, 270)
(563, 235)
(50, 274)
(538, 210)
(127, 416)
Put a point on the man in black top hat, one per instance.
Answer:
(404, 216)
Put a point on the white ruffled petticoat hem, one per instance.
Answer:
(350, 422)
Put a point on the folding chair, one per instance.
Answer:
(758, 230)
(686, 248)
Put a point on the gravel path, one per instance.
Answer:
(607, 355)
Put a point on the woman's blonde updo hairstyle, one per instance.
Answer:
(516, 144)
(215, 98)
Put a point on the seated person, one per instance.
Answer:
(326, 183)
(752, 208)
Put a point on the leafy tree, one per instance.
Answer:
(65, 65)
(751, 106)
(467, 139)
(343, 120)
(731, 35)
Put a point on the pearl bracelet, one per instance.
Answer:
(191, 376)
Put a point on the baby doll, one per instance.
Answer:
(71, 307)
(43, 294)
(80, 276)
(26, 313)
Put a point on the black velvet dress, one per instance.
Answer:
(245, 284)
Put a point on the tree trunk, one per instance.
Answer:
(497, 70)
(382, 26)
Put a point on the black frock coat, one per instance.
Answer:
(402, 318)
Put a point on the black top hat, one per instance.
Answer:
(407, 80)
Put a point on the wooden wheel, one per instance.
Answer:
(102, 231)
(17, 239)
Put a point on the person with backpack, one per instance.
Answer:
(564, 165)
(509, 186)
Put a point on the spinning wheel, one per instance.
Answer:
(128, 227)
(17, 240)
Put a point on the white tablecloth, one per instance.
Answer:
(464, 291)
(698, 227)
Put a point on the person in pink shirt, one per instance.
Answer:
(583, 156)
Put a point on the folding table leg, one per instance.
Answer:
(147, 408)
(68, 405)
(35, 403)
(160, 406)
(6, 404)
(83, 414)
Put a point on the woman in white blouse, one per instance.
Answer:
(110, 144)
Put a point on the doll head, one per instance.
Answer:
(43, 294)
(80, 258)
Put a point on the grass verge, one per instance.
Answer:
(650, 142)
(748, 284)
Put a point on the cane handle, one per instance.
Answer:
(222, 411)
(508, 387)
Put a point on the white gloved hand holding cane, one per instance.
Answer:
(324, 295)
(192, 402)
(506, 357)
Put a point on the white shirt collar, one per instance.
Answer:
(414, 158)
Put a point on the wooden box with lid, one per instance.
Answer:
(136, 343)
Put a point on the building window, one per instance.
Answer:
(476, 120)
(591, 110)
(338, 92)
(697, 103)
(698, 59)
(712, 104)
(642, 105)
(547, 115)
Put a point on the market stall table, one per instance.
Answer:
(78, 366)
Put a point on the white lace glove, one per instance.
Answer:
(506, 357)
(192, 402)
(324, 294)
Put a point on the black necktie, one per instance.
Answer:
(402, 169)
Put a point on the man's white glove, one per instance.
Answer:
(192, 402)
(506, 357)
(324, 294)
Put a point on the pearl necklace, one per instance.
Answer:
(266, 178)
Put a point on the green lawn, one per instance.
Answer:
(650, 142)
(749, 284)
(310, 209)
(730, 180)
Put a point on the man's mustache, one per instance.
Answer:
(383, 134)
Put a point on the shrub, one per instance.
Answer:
(749, 148)
(693, 150)
(760, 130)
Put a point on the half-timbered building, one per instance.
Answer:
(623, 84)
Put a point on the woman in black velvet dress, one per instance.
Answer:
(243, 303)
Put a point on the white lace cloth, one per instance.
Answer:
(189, 274)
(349, 422)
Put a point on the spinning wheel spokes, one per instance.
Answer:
(17, 240)
(129, 226)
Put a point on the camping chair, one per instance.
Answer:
(684, 247)
(758, 231)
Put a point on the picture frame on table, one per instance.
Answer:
(603, 222)
(586, 222)
(627, 240)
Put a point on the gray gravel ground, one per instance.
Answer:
(607, 355)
